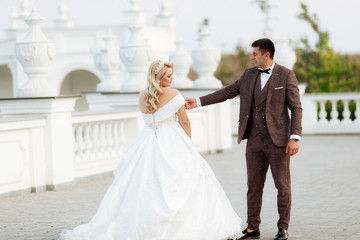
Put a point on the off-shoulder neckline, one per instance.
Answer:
(162, 106)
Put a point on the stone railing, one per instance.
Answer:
(328, 113)
(331, 113)
(45, 145)
(101, 139)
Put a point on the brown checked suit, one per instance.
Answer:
(264, 120)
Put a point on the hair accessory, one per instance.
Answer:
(159, 65)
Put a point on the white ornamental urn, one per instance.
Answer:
(284, 55)
(182, 63)
(35, 53)
(134, 14)
(136, 55)
(107, 60)
(206, 59)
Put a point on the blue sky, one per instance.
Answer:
(231, 21)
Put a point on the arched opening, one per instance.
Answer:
(6, 83)
(75, 83)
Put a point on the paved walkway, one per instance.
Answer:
(326, 195)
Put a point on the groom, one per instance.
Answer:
(266, 92)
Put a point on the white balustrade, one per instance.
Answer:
(100, 140)
(314, 122)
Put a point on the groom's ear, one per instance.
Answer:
(267, 54)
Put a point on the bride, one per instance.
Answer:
(163, 189)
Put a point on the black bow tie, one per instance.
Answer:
(264, 71)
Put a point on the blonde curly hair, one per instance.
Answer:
(156, 72)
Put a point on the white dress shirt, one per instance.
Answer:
(264, 77)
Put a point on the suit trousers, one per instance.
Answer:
(260, 154)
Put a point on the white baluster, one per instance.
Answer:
(109, 137)
(96, 140)
(116, 137)
(122, 135)
(346, 112)
(334, 112)
(75, 144)
(357, 112)
(102, 139)
(322, 113)
(87, 142)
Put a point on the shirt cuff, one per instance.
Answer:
(198, 102)
(294, 136)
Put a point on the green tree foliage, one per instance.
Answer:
(321, 68)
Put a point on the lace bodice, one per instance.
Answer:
(166, 114)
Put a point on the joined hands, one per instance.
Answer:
(190, 103)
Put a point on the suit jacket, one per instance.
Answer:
(283, 94)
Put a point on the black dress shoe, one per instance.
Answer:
(250, 235)
(281, 235)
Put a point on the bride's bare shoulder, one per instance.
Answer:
(170, 92)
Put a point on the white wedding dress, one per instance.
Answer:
(163, 190)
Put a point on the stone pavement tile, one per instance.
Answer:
(325, 184)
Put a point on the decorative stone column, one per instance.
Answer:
(206, 59)
(64, 21)
(136, 55)
(182, 64)
(109, 63)
(35, 53)
(134, 15)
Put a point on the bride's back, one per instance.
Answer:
(166, 95)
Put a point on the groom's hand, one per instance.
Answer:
(190, 103)
(292, 147)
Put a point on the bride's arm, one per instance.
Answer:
(184, 120)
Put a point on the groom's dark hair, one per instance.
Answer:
(265, 45)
